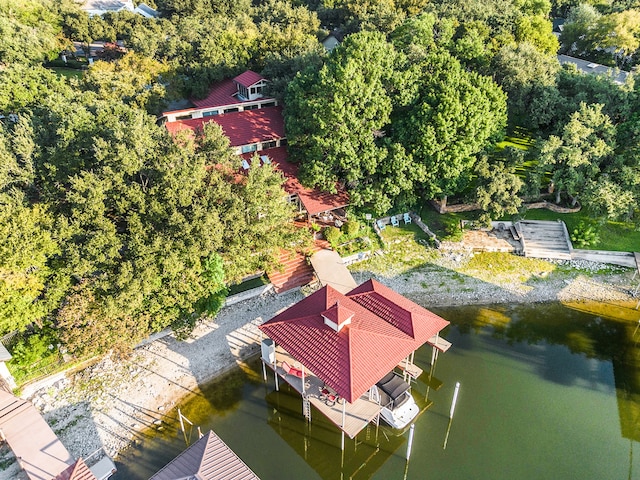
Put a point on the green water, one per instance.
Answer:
(547, 392)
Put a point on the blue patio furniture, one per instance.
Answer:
(407, 218)
(394, 221)
(381, 225)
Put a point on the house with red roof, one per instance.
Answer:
(254, 125)
(346, 344)
(238, 94)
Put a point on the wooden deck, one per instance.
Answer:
(542, 239)
(357, 414)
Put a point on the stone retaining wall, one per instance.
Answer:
(469, 207)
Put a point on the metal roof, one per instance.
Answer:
(77, 471)
(591, 68)
(248, 78)
(38, 450)
(207, 459)
(242, 128)
(315, 201)
(386, 327)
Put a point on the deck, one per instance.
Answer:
(542, 239)
(357, 414)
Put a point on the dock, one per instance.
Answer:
(357, 415)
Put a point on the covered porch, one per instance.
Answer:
(351, 418)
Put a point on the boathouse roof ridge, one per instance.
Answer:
(385, 328)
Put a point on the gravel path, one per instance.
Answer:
(109, 403)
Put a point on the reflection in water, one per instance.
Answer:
(608, 334)
(546, 392)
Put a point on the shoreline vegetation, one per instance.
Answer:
(113, 403)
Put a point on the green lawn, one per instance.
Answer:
(248, 285)
(404, 232)
(68, 72)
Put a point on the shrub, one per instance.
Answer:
(584, 235)
(352, 228)
(333, 235)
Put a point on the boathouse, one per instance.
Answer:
(333, 348)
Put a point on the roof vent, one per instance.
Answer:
(337, 316)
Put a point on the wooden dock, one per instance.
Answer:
(542, 239)
(357, 415)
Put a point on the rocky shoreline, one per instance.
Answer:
(112, 402)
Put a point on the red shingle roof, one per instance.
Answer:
(386, 327)
(248, 78)
(77, 471)
(207, 459)
(314, 201)
(242, 128)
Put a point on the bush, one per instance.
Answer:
(333, 235)
(352, 228)
(584, 235)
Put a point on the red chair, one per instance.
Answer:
(289, 370)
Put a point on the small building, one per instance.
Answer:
(100, 7)
(332, 40)
(346, 343)
(207, 459)
(585, 66)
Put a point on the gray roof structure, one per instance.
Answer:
(591, 68)
(39, 451)
(207, 459)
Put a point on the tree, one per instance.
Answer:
(498, 187)
(577, 157)
(450, 117)
(335, 117)
(133, 79)
(28, 31)
(529, 79)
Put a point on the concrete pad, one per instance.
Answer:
(331, 271)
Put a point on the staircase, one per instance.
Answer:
(296, 270)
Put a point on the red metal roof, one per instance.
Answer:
(314, 201)
(207, 459)
(242, 128)
(248, 78)
(77, 471)
(386, 327)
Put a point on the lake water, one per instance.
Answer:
(547, 392)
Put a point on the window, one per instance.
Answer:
(251, 107)
(258, 90)
(271, 144)
(249, 148)
(231, 110)
(183, 117)
(210, 113)
(268, 104)
(283, 142)
(253, 90)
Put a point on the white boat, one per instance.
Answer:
(398, 406)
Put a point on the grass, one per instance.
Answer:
(248, 285)
(403, 233)
(68, 72)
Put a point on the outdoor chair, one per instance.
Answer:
(407, 218)
(328, 396)
(381, 225)
(289, 370)
(394, 221)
